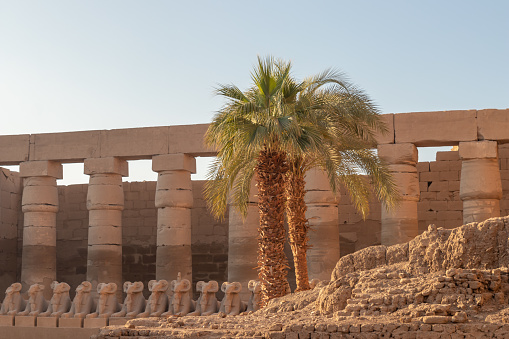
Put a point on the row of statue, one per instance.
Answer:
(179, 303)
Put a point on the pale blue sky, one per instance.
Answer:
(80, 65)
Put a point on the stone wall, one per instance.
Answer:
(10, 203)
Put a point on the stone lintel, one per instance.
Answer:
(174, 162)
(43, 168)
(110, 165)
(398, 153)
(486, 149)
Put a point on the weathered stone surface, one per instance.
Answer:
(478, 150)
(134, 143)
(493, 124)
(68, 147)
(47, 322)
(25, 321)
(14, 149)
(95, 322)
(174, 162)
(428, 128)
(108, 165)
(41, 168)
(189, 139)
(70, 322)
(401, 153)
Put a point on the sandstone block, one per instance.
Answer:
(174, 180)
(480, 179)
(402, 153)
(408, 185)
(386, 138)
(493, 124)
(480, 209)
(95, 322)
(41, 169)
(135, 143)
(189, 139)
(25, 321)
(105, 197)
(47, 321)
(33, 236)
(70, 147)
(444, 128)
(110, 165)
(478, 150)
(436, 319)
(6, 320)
(70, 322)
(174, 162)
(174, 198)
(14, 149)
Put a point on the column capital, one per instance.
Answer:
(111, 165)
(398, 153)
(43, 168)
(486, 149)
(174, 162)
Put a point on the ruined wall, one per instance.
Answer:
(439, 204)
(10, 203)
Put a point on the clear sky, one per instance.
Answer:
(80, 65)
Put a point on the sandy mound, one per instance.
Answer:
(442, 282)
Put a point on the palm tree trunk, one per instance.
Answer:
(298, 225)
(272, 263)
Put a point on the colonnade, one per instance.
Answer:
(480, 191)
(105, 203)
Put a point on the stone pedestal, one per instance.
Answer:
(40, 206)
(400, 224)
(322, 214)
(6, 320)
(174, 200)
(25, 321)
(47, 322)
(105, 202)
(70, 322)
(480, 186)
(95, 322)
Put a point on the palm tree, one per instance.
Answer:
(349, 120)
(275, 131)
(253, 133)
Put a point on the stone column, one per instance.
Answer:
(480, 186)
(105, 202)
(174, 200)
(322, 214)
(400, 224)
(243, 242)
(40, 206)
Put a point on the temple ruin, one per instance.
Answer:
(114, 231)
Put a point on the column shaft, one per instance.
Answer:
(105, 202)
(174, 200)
(400, 224)
(322, 214)
(480, 186)
(40, 206)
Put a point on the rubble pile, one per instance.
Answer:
(442, 284)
